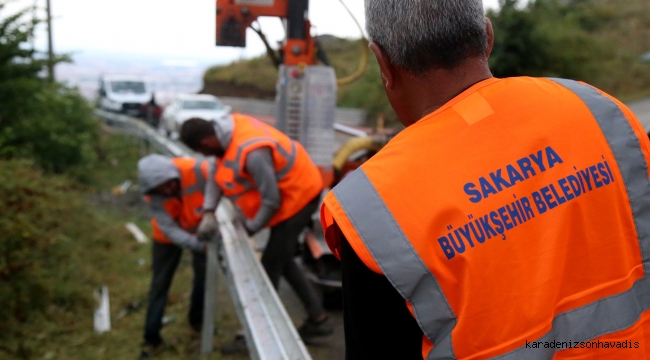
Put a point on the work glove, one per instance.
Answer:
(239, 215)
(208, 227)
(248, 228)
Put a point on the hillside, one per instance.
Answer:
(626, 30)
(597, 41)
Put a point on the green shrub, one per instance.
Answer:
(545, 38)
(58, 134)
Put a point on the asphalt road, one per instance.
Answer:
(327, 348)
(641, 109)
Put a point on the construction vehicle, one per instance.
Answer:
(306, 103)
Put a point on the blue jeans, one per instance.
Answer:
(165, 261)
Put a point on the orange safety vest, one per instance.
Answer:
(187, 209)
(299, 180)
(514, 221)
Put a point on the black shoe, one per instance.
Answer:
(237, 346)
(148, 351)
(197, 327)
(311, 328)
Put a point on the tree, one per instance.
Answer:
(547, 38)
(49, 123)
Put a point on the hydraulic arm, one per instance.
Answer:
(234, 16)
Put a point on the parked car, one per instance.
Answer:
(188, 106)
(124, 93)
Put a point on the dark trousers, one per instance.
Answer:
(278, 258)
(165, 261)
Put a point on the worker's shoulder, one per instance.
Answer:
(186, 162)
(256, 119)
(521, 85)
(405, 145)
(542, 87)
(533, 96)
(565, 90)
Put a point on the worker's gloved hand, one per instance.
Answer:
(249, 230)
(208, 227)
(239, 215)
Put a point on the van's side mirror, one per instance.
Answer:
(228, 108)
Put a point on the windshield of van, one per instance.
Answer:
(201, 105)
(134, 87)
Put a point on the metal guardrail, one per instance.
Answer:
(268, 324)
(138, 128)
(270, 333)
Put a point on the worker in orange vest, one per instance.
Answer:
(509, 220)
(273, 183)
(174, 190)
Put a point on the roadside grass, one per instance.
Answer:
(72, 240)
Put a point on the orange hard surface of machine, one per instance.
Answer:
(235, 16)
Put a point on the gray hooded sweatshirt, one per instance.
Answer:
(154, 170)
(259, 164)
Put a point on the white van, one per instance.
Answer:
(124, 93)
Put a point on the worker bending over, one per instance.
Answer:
(174, 190)
(272, 182)
(510, 219)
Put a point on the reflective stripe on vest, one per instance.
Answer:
(235, 164)
(407, 272)
(199, 186)
(398, 260)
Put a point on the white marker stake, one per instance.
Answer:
(102, 321)
(140, 237)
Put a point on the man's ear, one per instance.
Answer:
(203, 144)
(210, 146)
(490, 37)
(385, 67)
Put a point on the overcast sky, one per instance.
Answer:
(177, 29)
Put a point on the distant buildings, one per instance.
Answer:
(167, 76)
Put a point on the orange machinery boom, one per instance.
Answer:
(234, 16)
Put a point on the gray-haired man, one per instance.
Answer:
(463, 238)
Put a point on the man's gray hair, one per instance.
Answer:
(418, 35)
